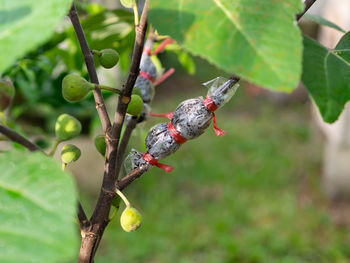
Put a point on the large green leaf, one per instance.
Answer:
(326, 75)
(37, 210)
(257, 40)
(24, 24)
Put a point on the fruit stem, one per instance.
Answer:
(3, 118)
(64, 165)
(136, 14)
(96, 52)
(54, 147)
(98, 86)
(123, 197)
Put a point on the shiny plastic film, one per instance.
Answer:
(221, 90)
(189, 120)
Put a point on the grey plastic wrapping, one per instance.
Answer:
(146, 65)
(190, 119)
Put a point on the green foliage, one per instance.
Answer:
(326, 75)
(25, 24)
(38, 208)
(322, 21)
(7, 92)
(70, 153)
(257, 40)
(67, 127)
(253, 196)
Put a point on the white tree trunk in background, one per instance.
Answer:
(336, 165)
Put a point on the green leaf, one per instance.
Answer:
(24, 24)
(326, 75)
(322, 21)
(38, 207)
(257, 40)
(186, 61)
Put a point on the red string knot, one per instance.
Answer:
(153, 161)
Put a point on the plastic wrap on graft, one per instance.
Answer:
(191, 118)
(221, 90)
(134, 160)
(159, 142)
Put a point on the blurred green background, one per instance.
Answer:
(254, 195)
(251, 196)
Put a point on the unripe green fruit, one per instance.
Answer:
(130, 219)
(75, 88)
(70, 153)
(137, 91)
(108, 58)
(67, 127)
(135, 105)
(128, 3)
(7, 92)
(100, 144)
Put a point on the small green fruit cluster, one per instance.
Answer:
(7, 92)
(70, 153)
(100, 144)
(130, 219)
(67, 127)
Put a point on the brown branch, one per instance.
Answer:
(308, 4)
(89, 61)
(15, 137)
(132, 176)
(83, 220)
(100, 217)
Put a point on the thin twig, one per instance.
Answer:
(83, 220)
(89, 61)
(132, 176)
(308, 4)
(16, 137)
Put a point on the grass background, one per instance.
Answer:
(252, 196)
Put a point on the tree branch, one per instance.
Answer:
(15, 137)
(308, 4)
(132, 176)
(89, 61)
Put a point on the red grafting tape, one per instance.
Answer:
(162, 45)
(175, 134)
(164, 76)
(147, 51)
(152, 161)
(166, 115)
(211, 106)
(146, 76)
